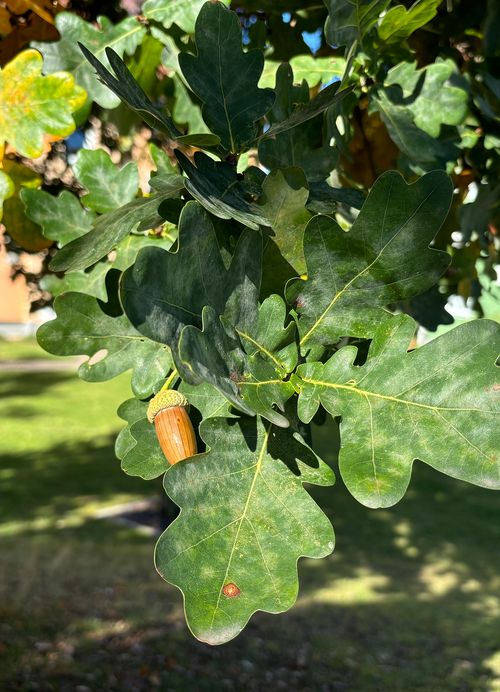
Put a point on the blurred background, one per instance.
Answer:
(410, 599)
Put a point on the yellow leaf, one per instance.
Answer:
(32, 105)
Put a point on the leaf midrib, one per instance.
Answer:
(340, 293)
(387, 397)
(258, 467)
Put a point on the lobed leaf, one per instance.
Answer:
(231, 104)
(111, 228)
(61, 218)
(245, 520)
(165, 291)
(82, 327)
(108, 186)
(33, 105)
(65, 54)
(439, 404)
(384, 258)
(398, 22)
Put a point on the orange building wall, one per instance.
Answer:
(14, 298)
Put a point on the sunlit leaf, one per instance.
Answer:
(32, 105)
(108, 186)
(245, 520)
(384, 258)
(439, 404)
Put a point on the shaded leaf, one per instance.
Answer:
(438, 404)
(61, 218)
(81, 327)
(65, 54)
(32, 105)
(302, 113)
(215, 184)
(231, 105)
(164, 291)
(110, 229)
(245, 520)
(384, 258)
(423, 151)
(301, 146)
(108, 186)
(125, 86)
(137, 446)
(351, 20)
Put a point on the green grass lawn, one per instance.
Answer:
(410, 600)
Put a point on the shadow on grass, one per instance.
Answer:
(49, 484)
(14, 384)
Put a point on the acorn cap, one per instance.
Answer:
(167, 399)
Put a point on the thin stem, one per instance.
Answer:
(170, 380)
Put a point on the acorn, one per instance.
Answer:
(168, 410)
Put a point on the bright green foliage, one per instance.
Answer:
(32, 105)
(65, 54)
(383, 258)
(92, 282)
(61, 218)
(428, 94)
(108, 187)
(231, 106)
(180, 12)
(82, 327)
(398, 23)
(435, 394)
(139, 215)
(285, 195)
(245, 520)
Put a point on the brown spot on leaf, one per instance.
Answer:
(231, 590)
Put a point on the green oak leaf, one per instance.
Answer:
(216, 186)
(64, 54)
(302, 113)
(313, 69)
(398, 22)
(285, 195)
(231, 105)
(111, 228)
(425, 153)
(323, 199)
(108, 186)
(128, 249)
(301, 146)
(351, 20)
(61, 218)
(180, 12)
(429, 94)
(245, 363)
(137, 446)
(439, 404)
(92, 282)
(126, 87)
(245, 520)
(165, 291)
(32, 104)
(81, 327)
(384, 258)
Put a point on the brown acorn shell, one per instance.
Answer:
(175, 433)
